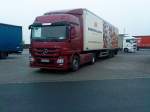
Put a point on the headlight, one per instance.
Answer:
(60, 60)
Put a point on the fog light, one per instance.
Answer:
(60, 60)
(31, 59)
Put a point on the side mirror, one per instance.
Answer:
(29, 27)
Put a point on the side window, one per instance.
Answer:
(75, 31)
(77, 28)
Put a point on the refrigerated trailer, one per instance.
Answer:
(10, 39)
(69, 38)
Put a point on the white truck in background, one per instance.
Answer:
(129, 44)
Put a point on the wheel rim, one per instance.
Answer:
(75, 64)
(93, 60)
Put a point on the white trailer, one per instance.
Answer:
(98, 34)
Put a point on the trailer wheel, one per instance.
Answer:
(93, 59)
(116, 52)
(111, 54)
(3, 55)
(75, 63)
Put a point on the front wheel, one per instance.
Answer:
(75, 63)
(93, 59)
(126, 50)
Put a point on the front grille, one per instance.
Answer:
(45, 52)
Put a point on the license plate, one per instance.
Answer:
(45, 60)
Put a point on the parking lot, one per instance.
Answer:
(119, 84)
(16, 69)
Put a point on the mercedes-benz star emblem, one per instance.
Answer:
(45, 51)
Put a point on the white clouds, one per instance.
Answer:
(131, 14)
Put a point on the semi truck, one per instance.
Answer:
(129, 44)
(143, 41)
(10, 40)
(66, 39)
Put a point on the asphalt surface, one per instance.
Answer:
(119, 84)
(132, 95)
(16, 69)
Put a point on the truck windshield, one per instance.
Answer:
(49, 33)
(131, 40)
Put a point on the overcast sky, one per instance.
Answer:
(131, 15)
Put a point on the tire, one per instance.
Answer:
(111, 54)
(93, 59)
(116, 52)
(126, 50)
(3, 55)
(75, 63)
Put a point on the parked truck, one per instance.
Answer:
(143, 41)
(129, 44)
(10, 39)
(66, 39)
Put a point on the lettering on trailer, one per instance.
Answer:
(94, 30)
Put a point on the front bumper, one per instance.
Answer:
(132, 49)
(36, 63)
